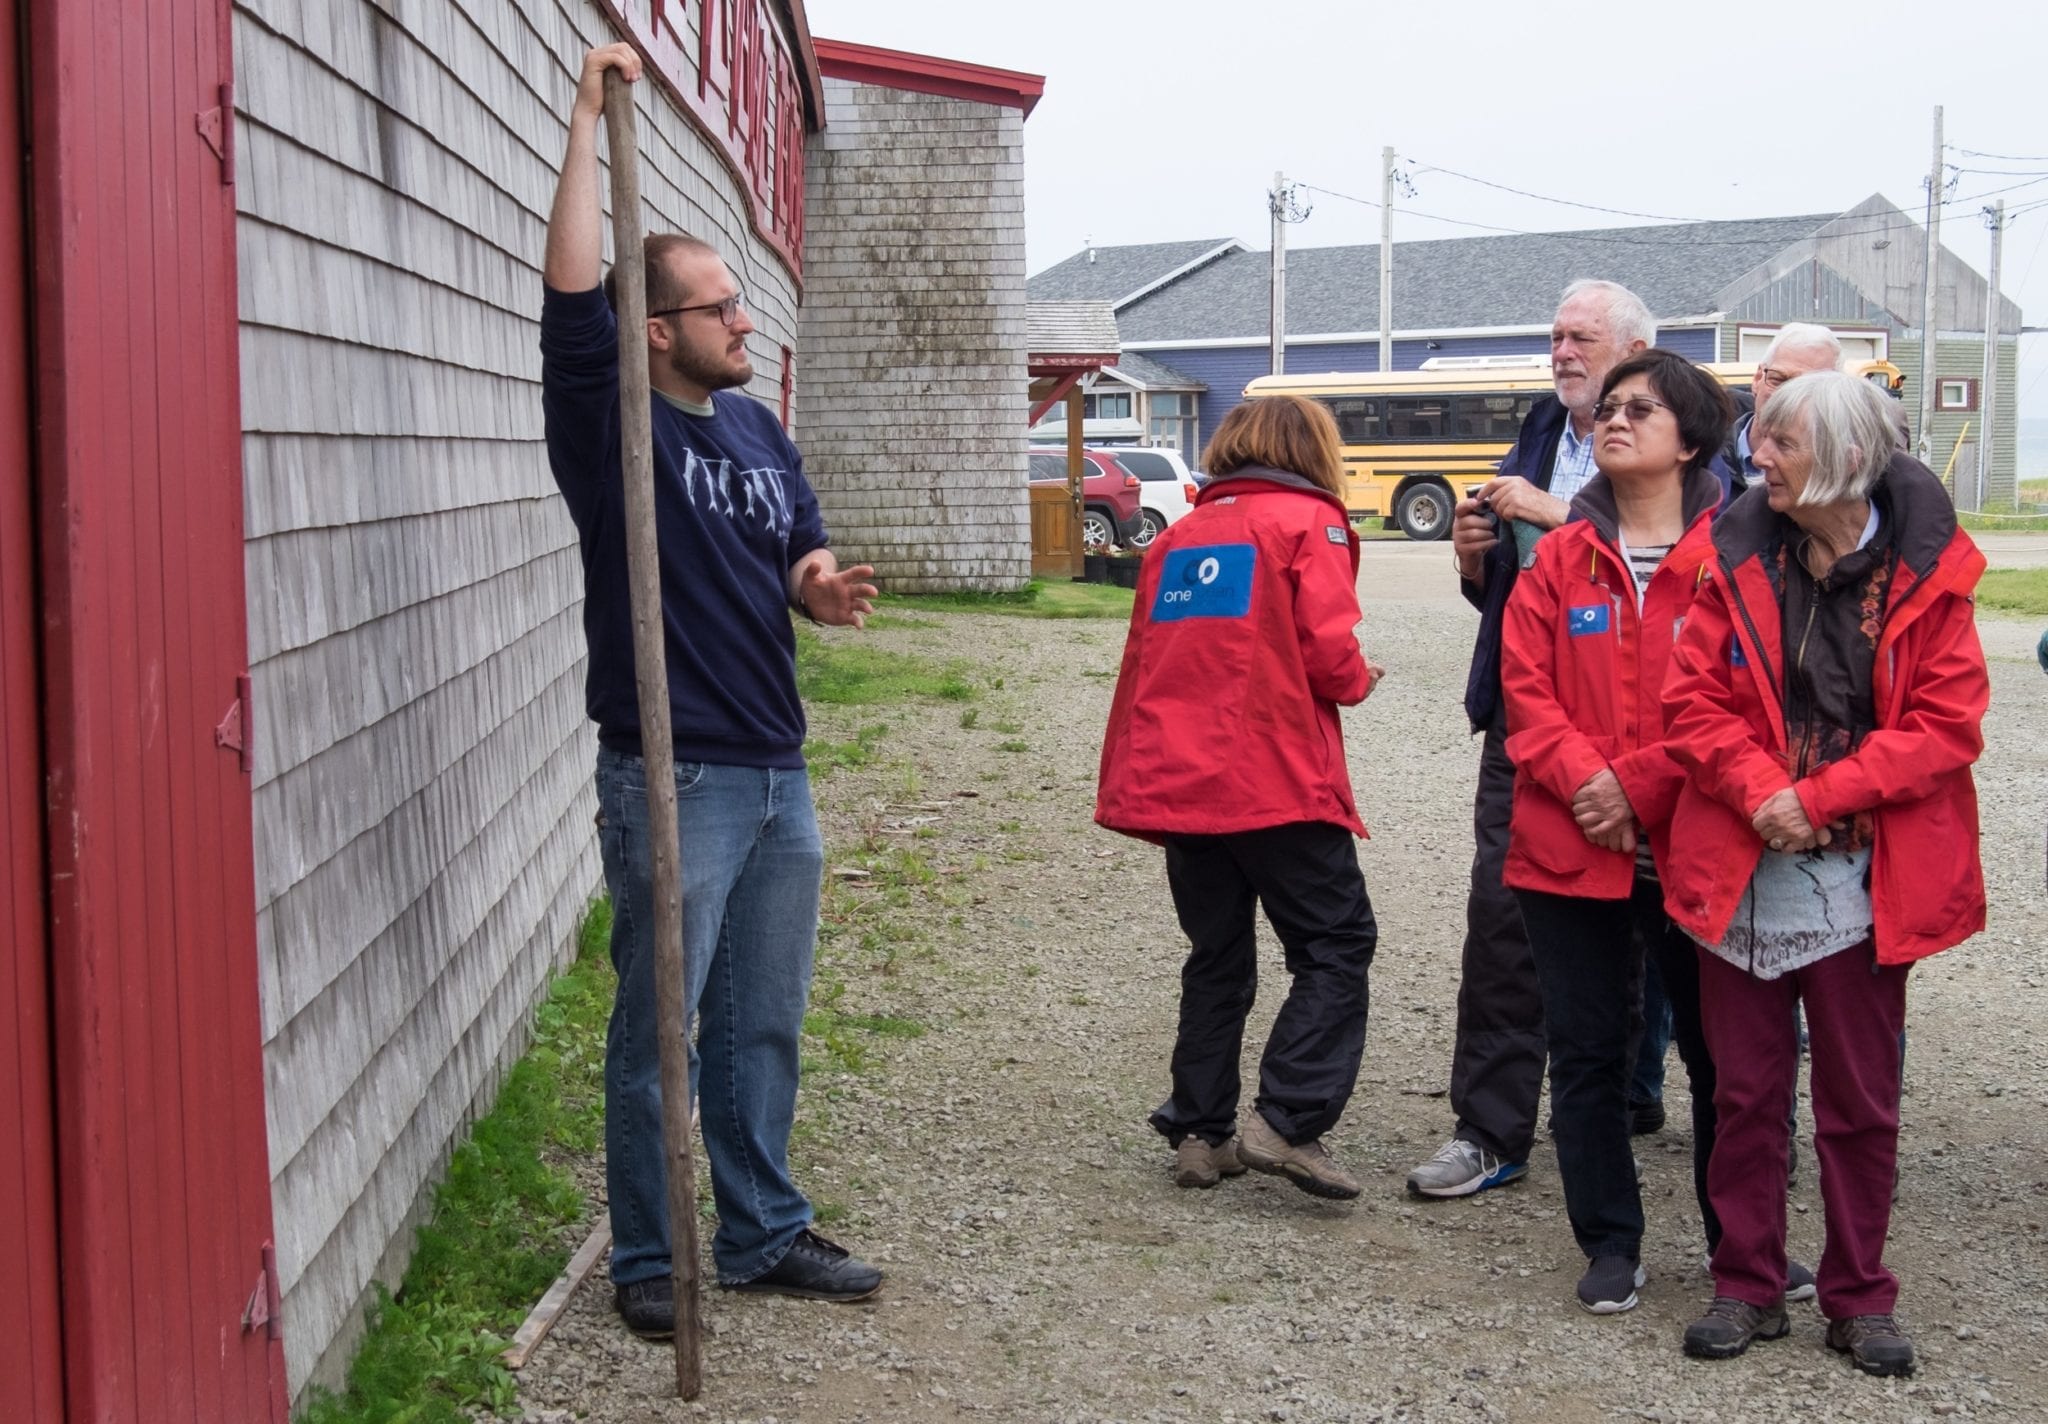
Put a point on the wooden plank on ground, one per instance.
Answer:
(536, 1326)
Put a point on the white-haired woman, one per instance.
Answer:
(1826, 701)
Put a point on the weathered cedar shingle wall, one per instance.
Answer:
(424, 813)
(912, 371)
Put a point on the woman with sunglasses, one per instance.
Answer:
(1588, 632)
(1826, 701)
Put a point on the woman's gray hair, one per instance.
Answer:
(1628, 319)
(1844, 421)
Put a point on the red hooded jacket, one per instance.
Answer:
(1582, 671)
(1241, 648)
(1726, 725)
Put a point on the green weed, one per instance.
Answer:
(851, 674)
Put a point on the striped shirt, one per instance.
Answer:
(1643, 563)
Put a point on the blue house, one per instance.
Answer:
(1197, 312)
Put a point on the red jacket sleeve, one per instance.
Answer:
(1326, 618)
(1940, 729)
(1705, 732)
(1652, 780)
(1541, 738)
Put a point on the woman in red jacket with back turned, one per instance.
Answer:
(1826, 701)
(1587, 635)
(1224, 745)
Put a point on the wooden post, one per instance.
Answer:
(657, 743)
(1077, 470)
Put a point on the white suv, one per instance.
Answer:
(1166, 491)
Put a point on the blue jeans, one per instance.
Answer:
(752, 863)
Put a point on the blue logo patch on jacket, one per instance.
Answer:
(1591, 618)
(1736, 657)
(1207, 581)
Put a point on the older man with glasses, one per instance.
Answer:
(742, 546)
(1800, 348)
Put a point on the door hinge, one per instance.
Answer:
(217, 127)
(237, 729)
(265, 1310)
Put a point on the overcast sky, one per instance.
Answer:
(1166, 119)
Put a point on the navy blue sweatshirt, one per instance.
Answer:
(733, 513)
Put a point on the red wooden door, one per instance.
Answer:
(162, 1165)
(31, 1353)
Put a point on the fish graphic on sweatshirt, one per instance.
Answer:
(763, 489)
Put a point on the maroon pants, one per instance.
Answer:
(1854, 1013)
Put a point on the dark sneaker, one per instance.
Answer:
(1306, 1164)
(1730, 1326)
(648, 1307)
(1609, 1285)
(1798, 1282)
(1197, 1164)
(1645, 1117)
(815, 1269)
(1877, 1344)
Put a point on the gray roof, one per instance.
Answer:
(1070, 329)
(1116, 272)
(1155, 375)
(1450, 284)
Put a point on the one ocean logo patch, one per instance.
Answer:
(1592, 618)
(1736, 657)
(1334, 534)
(1210, 581)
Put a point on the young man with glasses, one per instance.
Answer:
(742, 544)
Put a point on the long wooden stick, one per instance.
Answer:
(543, 1316)
(657, 744)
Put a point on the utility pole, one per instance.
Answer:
(1932, 284)
(1387, 259)
(1277, 202)
(1987, 392)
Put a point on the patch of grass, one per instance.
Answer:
(504, 1222)
(1041, 598)
(2003, 523)
(1013, 745)
(897, 620)
(823, 758)
(2015, 591)
(1006, 727)
(969, 718)
(850, 674)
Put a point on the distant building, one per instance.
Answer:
(1197, 315)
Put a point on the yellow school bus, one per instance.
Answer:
(1416, 442)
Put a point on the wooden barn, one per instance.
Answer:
(298, 792)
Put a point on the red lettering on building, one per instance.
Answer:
(742, 88)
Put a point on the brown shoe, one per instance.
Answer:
(1306, 1164)
(1731, 1326)
(1877, 1343)
(1197, 1164)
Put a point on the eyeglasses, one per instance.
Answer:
(1638, 408)
(1771, 376)
(728, 310)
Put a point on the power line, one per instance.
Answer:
(2002, 157)
(1543, 198)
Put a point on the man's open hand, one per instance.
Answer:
(842, 598)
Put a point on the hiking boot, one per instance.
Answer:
(648, 1307)
(1197, 1164)
(815, 1269)
(1609, 1285)
(1306, 1164)
(1798, 1282)
(1877, 1343)
(1730, 1326)
(1645, 1117)
(1459, 1169)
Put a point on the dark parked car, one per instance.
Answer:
(1109, 496)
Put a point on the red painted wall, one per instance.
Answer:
(31, 1354)
(161, 1158)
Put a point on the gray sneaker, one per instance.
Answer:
(1197, 1164)
(1306, 1164)
(1731, 1326)
(1461, 1168)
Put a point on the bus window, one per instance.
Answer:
(1358, 419)
(1488, 417)
(1415, 418)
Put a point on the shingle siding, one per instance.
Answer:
(911, 383)
(423, 799)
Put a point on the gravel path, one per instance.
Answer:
(1043, 1267)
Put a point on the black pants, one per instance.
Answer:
(1497, 1063)
(1589, 958)
(1307, 878)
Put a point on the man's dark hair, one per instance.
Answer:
(1699, 405)
(663, 290)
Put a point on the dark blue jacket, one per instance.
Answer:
(1533, 455)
